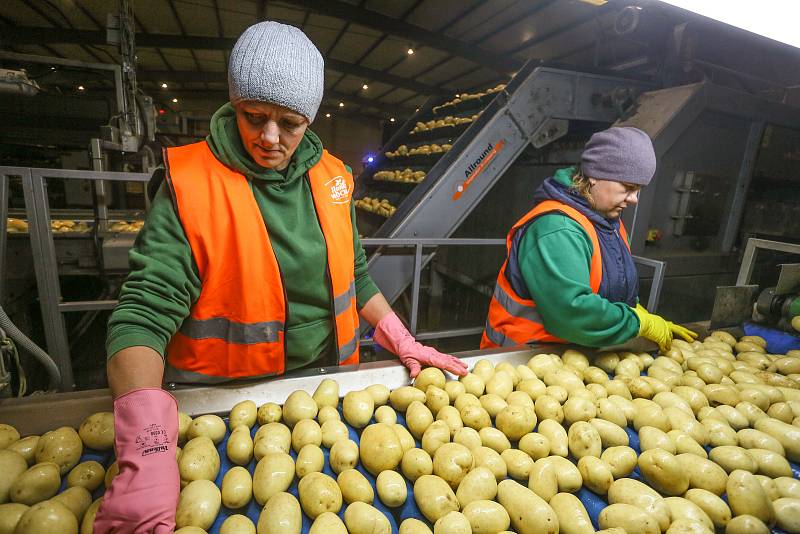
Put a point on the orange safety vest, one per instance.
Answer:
(236, 327)
(513, 320)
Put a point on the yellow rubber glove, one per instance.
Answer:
(654, 327)
(685, 333)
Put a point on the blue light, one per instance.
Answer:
(370, 159)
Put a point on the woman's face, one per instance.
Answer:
(270, 133)
(610, 198)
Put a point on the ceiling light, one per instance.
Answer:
(163, 86)
(391, 120)
(365, 87)
(410, 51)
(174, 100)
(327, 115)
(341, 104)
(81, 88)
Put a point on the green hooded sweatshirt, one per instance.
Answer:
(164, 283)
(554, 257)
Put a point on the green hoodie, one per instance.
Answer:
(554, 255)
(164, 283)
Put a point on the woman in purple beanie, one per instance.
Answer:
(569, 275)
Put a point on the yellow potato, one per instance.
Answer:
(344, 455)
(62, 447)
(518, 463)
(243, 413)
(654, 438)
(787, 514)
(437, 434)
(452, 523)
(358, 407)
(788, 487)
(475, 417)
(87, 474)
(547, 407)
(198, 505)
(415, 463)
(76, 499)
(326, 413)
(719, 432)
(528, 512)
(628, 517)
(113, 471)
(280, 515)
(273, 474)
(535, 445)
(704, 473)
(579, 409)
(747, 497)
(269, 412)
(418, 418)
(454, 389)
(684, 443)
(237, 524)
(333, 431)
(211, 426)
(746, 524)
(664, 472)
(610, 434)
(240, 445)
(12, 466)
(413, 526)
(520, 398)
(492, 404)
(467, 399)
(583, 440)
(468, 437)
(429, 376)
(272, 437)
(355, 487)
(494, 439)
(715, 508)
(298, 406)
(310, 459)
(543, 480)
(515, 421)
(770, 463)
(643, 497)
(26, 447)
(452, 462)
(486, 457)
(183, 427)
(37, 484)
(391, 488)
(237, 488)
(686, 526)
(403, 396)
(486, 517)
(304, 432)
(328, 523)
(47, 517)
(97, 431)
(568, 475)
(380, 394)
(8, 435)
(385, 414)
(596, 474)
(319, 493)
(327, 394)
(87, 525)
(731, 458)
(770, 488)
(621, 460)
(436, 399)
(479, 484)
(751, 412)
(755, 439)
(452, 417)
(556, 436)
(534, 387)
(404, 437)
(787, 435)
(380, 448)
(501, 383)
(434, 497)
(572, 516)
(558, 393)
(199, 460)
(681, 508)
(10, 514)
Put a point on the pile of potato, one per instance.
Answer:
(443, 123)
(425, 150)
(378, 206)
(61, 226)
(466, 97)
(505, 448)
(405, 176)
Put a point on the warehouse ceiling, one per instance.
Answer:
(458, 45)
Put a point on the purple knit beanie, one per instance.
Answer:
(620, 154)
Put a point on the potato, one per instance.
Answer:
(272, 437)
(787, 435)
(76, 499)
(520, 398)
(413, 526)
(558, 393)
(319, 493)
(87, 474)
(328, 523)
(199, 460)
(380, 448)
(624, 405)
(479, 484)
(500, 384)
(464, 400)
(770, 463)
(113, 471)
(755, 439)
(747, 497)
(469, 437)
(628, 517)
(26, 447)
(429, 376)
(572, 516)
(788, 487)
(486, 457)
(8, 435)
(434, 497)
(12, 465)
(326, 413)
(684, 443)
(704, 473)
(355, 487)
(190, 530)
(269, 412)
(731, 458)
(436, 399)
(237, 488)
(298, 406)
(310, 459)
(97, 431)
(556, 436)
(718, 394)
(685, 526)
(344, 455)
(543, 480)
(486, 517)
(327, 393)
(452, 523)
(273, 474)
(534, 387)
(403, 396)
(568, 476)
(515, 421)
(715, 508)
(437, 434)
(184, 420)
(654, 438)
(475, 417)
(528, 512)
(663, 471)
(36, 484)
(304, 432)
(610, 434)
(404, 437)
(46, 518)
(62, 446)
(452, 417)
(198, 505)
(415, 463)
(583, 440)
(473, 384)
(87, 525)
(10, 514)
(379, 393)
(596, 474)
(418, 419)
(787, 513)
(211, 426)
(518, 463)
(650, 414)
(492, 404)
(494, 439)
(668, 398)
(391, 488)
(719, 433)
(734, 417)
(608, 411)
(237, 524)
(546, 407)
(454, 389)
(621, 460)
(358, 407)
(452, 462)
(385, 414)
(751, 412)
(281, 515)
(770, 488)
(746, 524)
(643, 497)
(535, 445)
(243, 413)
(240, 445)
(684, 509)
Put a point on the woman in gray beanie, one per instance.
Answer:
(569, 275)
(249, 265)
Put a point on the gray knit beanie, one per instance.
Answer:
(277, 63)
(620, 154)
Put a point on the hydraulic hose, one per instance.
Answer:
(23, 341)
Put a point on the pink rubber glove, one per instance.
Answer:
(392, 335)
(144, 495)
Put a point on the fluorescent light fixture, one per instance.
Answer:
(391, 120)
(365, 87)
(775, 19)
(327, 115)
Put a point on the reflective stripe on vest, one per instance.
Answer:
(236, 327)
(513, 320)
